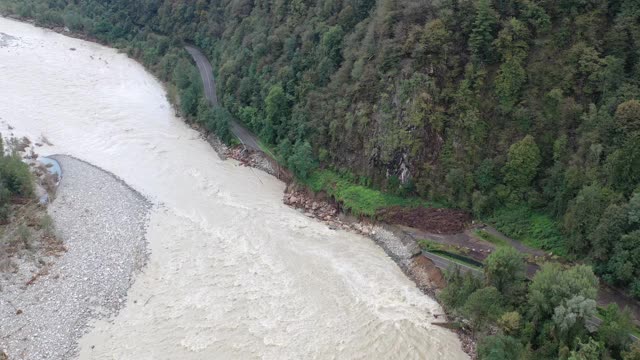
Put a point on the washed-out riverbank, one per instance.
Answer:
(233, 272)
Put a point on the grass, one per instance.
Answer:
(532, 228)
(499, 242)
(359, 199)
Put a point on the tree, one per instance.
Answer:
(590, 350)
(510, 322)
(189, 101)
(504, 269)
(483, 32)
(511, 77)
(15, 176)
(459, 286)
(624, 165)
(522, 164)
(634, 209)
(615, 329)
(552, 286)
(277, 111)
(613, 223)
(583, 216)
(570, 316)
(627, 116)
(512, 44)
(483, 306)
(301, 161)
(633, 353)
(624, 264)
(499, 347)
(332, 43)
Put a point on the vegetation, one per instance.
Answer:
(486, 236)
(355, 196)
(499, 107)
(526, 113)
(16, 181)
(544, 319)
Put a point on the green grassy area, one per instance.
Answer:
(491, 238)
(532, 228)
(359, 199)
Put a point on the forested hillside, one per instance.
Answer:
(525, 112)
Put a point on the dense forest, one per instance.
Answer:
(524, 112)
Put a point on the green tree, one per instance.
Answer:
(569, 317)
(590, 350)
(15, 176)
(459, 286)
(624, 165)
(522, 164)
(499, 347)
(483, 32)
(551, 286)
(634, 209)
(624, 264)
(277, 111)
(613, 223)
(615, 329)
(627, 116)
(583, 216)
(483, 306)
(504, 269)
(189, 101)
(633, 353)
(301, 161)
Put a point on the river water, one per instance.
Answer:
(233, 273)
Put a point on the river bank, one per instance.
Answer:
(240, 274)
(105, 248)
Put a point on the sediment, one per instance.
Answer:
(102, 223)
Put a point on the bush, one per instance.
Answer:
(46, 224)
(16, 177)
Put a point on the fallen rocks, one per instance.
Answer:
(324, 211)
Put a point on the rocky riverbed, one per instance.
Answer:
(102, 224)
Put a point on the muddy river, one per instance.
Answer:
(233, 272)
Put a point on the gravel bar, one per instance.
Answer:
(102, 222)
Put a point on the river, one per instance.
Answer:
(233, 272)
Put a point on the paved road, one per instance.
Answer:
(245, 136)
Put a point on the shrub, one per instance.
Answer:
(16, 177)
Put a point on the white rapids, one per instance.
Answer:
(233, 272)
